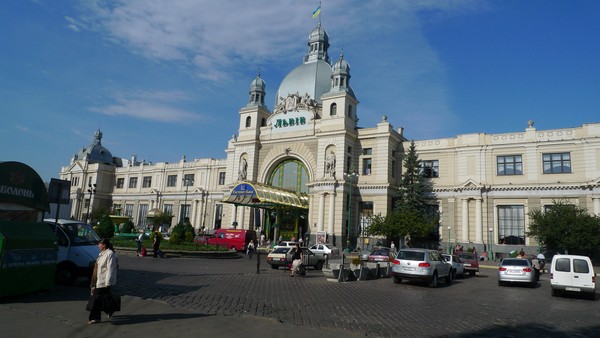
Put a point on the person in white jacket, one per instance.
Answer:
(103, 278)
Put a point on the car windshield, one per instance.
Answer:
(380, 253)
(467, 256)
(81, 234)
(515, 262)
(281, 250)
(411, 255)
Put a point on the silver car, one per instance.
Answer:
(422, 265)
(458, 268)
(516, 270)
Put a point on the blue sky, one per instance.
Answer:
(164, 79)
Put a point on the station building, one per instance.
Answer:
(305, 169)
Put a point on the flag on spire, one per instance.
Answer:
(317, 11)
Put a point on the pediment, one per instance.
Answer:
(470, 184)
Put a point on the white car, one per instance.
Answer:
(325, 250)
(285, 244)
(458, 268)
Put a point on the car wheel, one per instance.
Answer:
(453, 273)
(472, 273)
(554, 293)
(397, 280)
(449, 278)
(319, 265)
(500, 283)
(591, 296)
(274, 267)
(434, 280)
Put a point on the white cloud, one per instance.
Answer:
(155, 106)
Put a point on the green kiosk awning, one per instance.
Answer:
(263, 196)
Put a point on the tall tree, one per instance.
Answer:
(411, 215)
(566, 227)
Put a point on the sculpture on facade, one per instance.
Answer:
(330, 164)
(293, 102)
(243, 170)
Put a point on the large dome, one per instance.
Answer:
(95, 152)
(312, 78)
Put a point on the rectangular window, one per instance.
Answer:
(509, 165)
(221, 178)
(366, 168)
(430, 168)
(558, 163)
(185, 211)
(120, 183)
(147, 182)
(349, 164)
(366, 213)
(168, 209)
(394, 168)
(133, 182)
(142, 213)
(129, 210)
(511, 224)
(368, 151)
(171, 180)
(218, 216)
(116, 209)
(188, 180)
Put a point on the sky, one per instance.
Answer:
(163, 79)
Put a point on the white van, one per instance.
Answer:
(77, 249)
(572, 273)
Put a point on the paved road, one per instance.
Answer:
(229, 297)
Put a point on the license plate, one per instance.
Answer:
(467, 264)
(514, 271)
(572, 289)
(409, 269)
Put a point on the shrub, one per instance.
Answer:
(106, 228)
(174, 239)
(127, 227)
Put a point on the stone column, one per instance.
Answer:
(330, 221)
(596, 204)
(478, 220)
(321, 212)
(465, 220)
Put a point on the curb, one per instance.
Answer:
(182, 253)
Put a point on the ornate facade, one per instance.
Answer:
(310, 145)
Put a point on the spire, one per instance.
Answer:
(318, 43)
(340, 76)
(257, 91)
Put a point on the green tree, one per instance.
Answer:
(162, 218)
(106, 228)
(127, 227)
(565, 227)
(411, 215)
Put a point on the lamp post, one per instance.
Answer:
(449, 250)
(187, 183)
(490, 241)
(350, 176)
(92, 191)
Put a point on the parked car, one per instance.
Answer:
(279, 257)
(470, 261)
(309, 258)
(286, 244)
(381, 255)
(572, 273)
(421, 264)
(458, 267)
(364, 254)
(516, 270)
(325, 250)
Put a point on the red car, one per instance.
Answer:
(381, 255)
(470, 261)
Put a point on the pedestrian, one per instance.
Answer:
(262, 239)
(139, 240)
(156, 244)
(250, 249)
(296, 259)
(300, 241)
(542, 259)
(393, 246)
(522, 253)
(280, 239)
(103, 279)
(535, 263)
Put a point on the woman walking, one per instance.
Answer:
(103, 278)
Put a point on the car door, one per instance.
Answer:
(442, 267)
(582, 276)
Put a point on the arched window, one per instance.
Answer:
(290, 175)
(333, 109)
(248, 121)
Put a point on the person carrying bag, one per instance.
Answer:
(103, 278)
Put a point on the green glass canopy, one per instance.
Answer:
(259, 195)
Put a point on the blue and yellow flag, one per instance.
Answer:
(317, 12)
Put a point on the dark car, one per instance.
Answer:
(381, 255)
(470, 261)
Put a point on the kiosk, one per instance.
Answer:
(28, 248)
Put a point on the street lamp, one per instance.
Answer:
(449, 250)
(186, 181)
(490, 241)
(92, 191)
(350, 176)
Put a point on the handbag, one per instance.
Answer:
(91, 302)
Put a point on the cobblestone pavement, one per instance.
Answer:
(474, 306)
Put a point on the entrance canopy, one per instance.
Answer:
(264, 196)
